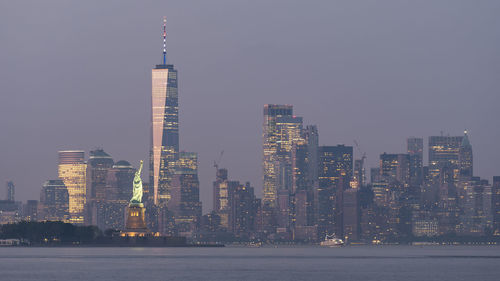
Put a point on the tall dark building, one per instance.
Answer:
(334, 161)
(300, 167)
(358, 175)
(395, 168)
(301, 208)
(334, 173)
(30, 210)
(108, 212)
(54, 201)
(478, 213)
(235, 206)
(164, 128)
(119, 182)
(415, 148)
(351, 215)
(185, 194)
(11, 191)
(311, 137)
(495, 205)
(223, 191)
(98, 166)
(465, 158)
(242, 212)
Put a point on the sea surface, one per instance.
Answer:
(408, 263)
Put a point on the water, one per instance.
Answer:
(365, 263)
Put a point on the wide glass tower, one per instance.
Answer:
(72, 171)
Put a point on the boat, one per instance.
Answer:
(332, 241)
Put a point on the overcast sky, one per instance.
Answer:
(76, 75)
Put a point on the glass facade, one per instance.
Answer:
(272, 134)
(72, 170)
(164, 131)
(443, 151)
(54, 201)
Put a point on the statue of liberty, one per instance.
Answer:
(137, 189)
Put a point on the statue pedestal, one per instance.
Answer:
(136, 222)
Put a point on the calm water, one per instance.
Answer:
(365, 263)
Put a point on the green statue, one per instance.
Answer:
(137, 195)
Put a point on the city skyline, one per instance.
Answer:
(115, 132)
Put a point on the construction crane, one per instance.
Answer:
(216, 163)
(363, 157)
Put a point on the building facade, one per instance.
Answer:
(415, 149)
(271, 146)
(72, 171)
(10, 189)
(164, 128)
(54, 201)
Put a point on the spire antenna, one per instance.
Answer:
(164, 40)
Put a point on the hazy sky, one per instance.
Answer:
(76, 75)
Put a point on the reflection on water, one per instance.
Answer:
(232, 263)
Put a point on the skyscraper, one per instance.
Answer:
(97, 170)
(465, 157)
(395, 168)
(443, 151)
(30, 210)
(495, 205)
(185, 194)
(289, 131)
(415, 148)
(334, 162)
(311, 137)
(335, 173)
(242, 210)
(271, 140)
(54, 201)
(11, 191)
(164, 128)
(72, 170)
(223, 189)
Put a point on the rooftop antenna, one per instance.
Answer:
(164, 40)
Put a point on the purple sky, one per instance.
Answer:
(76, 75)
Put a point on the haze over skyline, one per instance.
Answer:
(76, 75)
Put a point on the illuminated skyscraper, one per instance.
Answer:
(72, 170)
(164, 128)
(443, 151)
(289, 130)
(274, 129)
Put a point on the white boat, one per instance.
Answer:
(332, 241)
